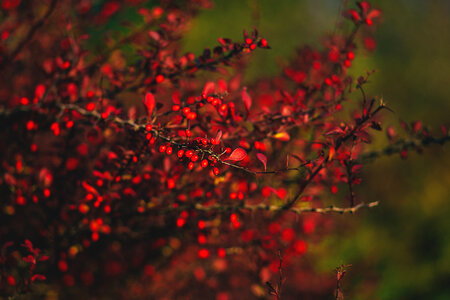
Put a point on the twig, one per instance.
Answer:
(340, 273)
(403, 145)
(276, 291)
(271, 208)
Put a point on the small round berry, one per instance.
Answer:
(189, 153)
(216, 171)
(204, 163)
(159, 78)
(90, 106)
(263, 43)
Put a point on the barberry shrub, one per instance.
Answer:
(130, 170)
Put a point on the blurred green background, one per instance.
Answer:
(400, 250)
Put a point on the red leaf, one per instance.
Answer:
(374, 13)
(262, 158)
(334, 131)
(218, 136)
(364, 6)
(237, 155)
(208, 89)
(89, 188)
(29, 259)
(281, 193)
(27, 244)
(38, 277)
(149, 102)
(44, 258)
(246, 98)
(154, 35)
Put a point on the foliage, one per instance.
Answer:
(125, 162)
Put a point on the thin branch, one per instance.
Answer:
(401, 145)
(271, 208)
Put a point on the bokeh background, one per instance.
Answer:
(400, 250)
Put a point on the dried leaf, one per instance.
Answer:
(282, 136)
(331, 153)
(132, 113)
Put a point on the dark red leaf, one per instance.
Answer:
(246, 98)
(89, 188)
(262, 158)
(237, 155)
(38, 277)
(44, 258)
(218, 136)
(333, 131)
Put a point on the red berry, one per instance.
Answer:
(350, 55)
(189, 153)
(159, 78)
(90, 106)
(263, 43)
(203, 253)
(216, 171)
(186, 110)
(204, 163)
